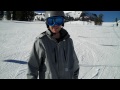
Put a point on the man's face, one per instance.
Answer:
(55, 28)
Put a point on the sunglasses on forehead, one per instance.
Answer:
(56, 20)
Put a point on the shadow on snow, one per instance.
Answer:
(16, 61)
(109, 45)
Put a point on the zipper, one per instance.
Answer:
(58, 60)
(55, 56)
(64, 54)
(58, 44)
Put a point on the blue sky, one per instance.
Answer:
(109, 16)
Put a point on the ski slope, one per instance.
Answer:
(97, 48)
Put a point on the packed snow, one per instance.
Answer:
(97, 48)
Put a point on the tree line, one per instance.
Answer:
(98, 19)
(18, 15)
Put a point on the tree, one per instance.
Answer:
(30, 15)
(100, 19)
(8, 14)
(95, 19)
(14, 15)
(18, 15)
(83, 15)
(23, 15)
(1, 15)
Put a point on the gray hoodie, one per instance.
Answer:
(51, 59)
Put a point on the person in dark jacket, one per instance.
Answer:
(53, 55)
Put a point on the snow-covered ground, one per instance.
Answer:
(97, 48)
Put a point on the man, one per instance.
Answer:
(53, 55)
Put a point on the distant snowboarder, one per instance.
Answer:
(116, 24)
(116, 21)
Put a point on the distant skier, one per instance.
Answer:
(116, 19)
(53, 55)
(116, 24)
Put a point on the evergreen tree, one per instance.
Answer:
(23, 15)
(8, 14)
(83, 15)
(31, 15)
(1, 15)
(100, 19)
(95, 19)
(18, 15)
(14, 15)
